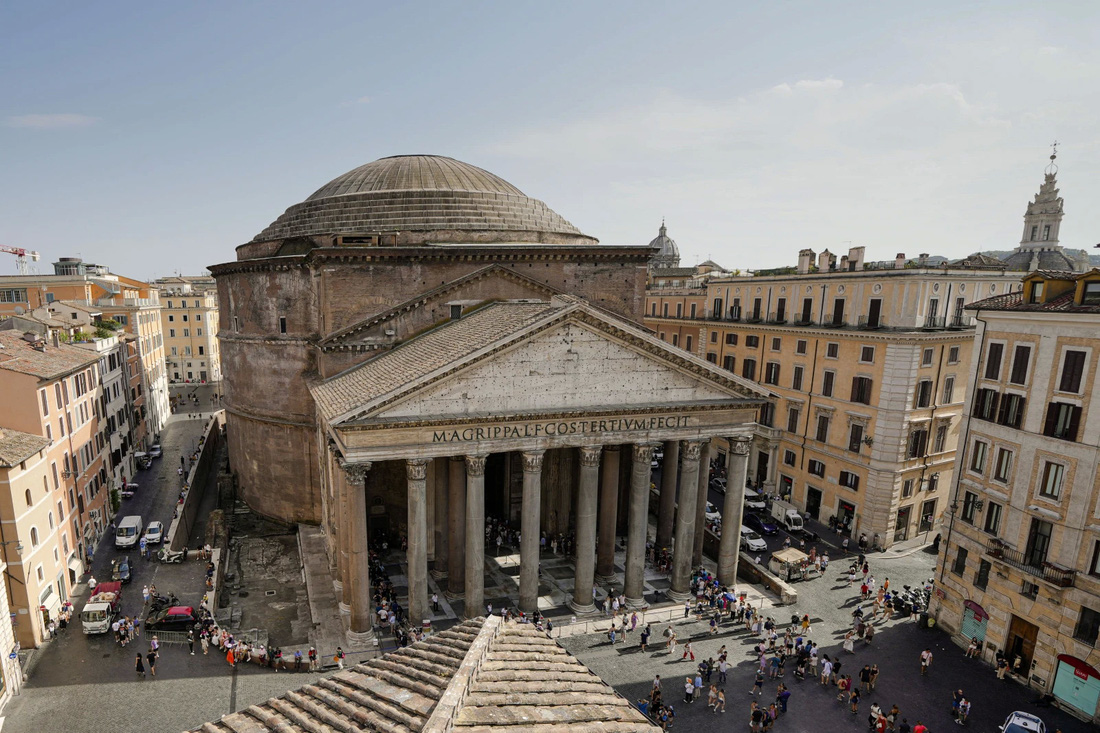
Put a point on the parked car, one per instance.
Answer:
(751, 541)
(712, 513)
(155, 451)
(154, 535)
(120, 570)
(1019, 722)
(173, 618)
(143, 460)
(754, 501)
(762, 524)
(718, 484)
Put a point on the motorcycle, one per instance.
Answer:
(170, 556)
(157, 601)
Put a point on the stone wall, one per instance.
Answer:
(183, 518)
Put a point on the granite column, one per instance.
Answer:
(587, 498)
(734, 505)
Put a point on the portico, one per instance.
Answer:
(539, 413)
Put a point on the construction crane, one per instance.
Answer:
(21, 256)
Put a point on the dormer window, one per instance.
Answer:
(1091, 296)
(456, 312)
(1037, 289)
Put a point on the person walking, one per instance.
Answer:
(964, 711)
(865, 678)
(758, 684)
(826, 670)
(688, 651)
(191, 641)
(339, 657)
(312, 659)
(853, 700)
(152, 659)
(925, 661)
(139, 665)
(721, 706)
(1002, 667)
(644, 637)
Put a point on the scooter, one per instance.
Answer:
(170, 556)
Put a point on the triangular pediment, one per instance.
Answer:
(569, 358)
(494, 282)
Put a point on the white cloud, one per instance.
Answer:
(51, 121)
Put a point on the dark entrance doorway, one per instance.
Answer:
(874, 312)
(901, 524)
(496, 485)
(761, 468)
(813, 502)
(1021, 643)
(845, 515)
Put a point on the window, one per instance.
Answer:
(1063, 420)
(969, 509)
(993, 517)
(1020, 359)
(861, 390)
(1037, 288)
(800, 346)
(855, 437)
(1046, 232)
(1091, 296)
(748, 368)
(926, 357)
(985, 404)
(993, 356)
(789, 459)
(28, 496)
(1034, 232)
(752, 342)
(822, 434)
(731, 339)
(981, 578)
(171, 318)
(675, 339)
(1094, 566)
(924, 393)
(728, 363)
(45, 403)
(34, 536)
(175, 351)
(771, 372)
(849, 480)
(953, 355)
(777, 343)
(948, 390)
(282, 324)
(687, 343)
(827, 383)
(653, 309)
(781, 310)
(796, 378)
(977, 456)
(960, 562)
(793, 414)
(906, 488)
(711, 357)
(1003, 467)
(202, 351)
(767, 415)
(713, 335)
(1011, 413)
(1073, 369)
(867, 354)
(1053, 475)
(172, 332)
(1088, 626)
(832, 350)
(664, 310)
(838, 311)
(918, 443)
(1038, 542)
(694, 308)
(816, 467)
(679, 310)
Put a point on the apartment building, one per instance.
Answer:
(189, 322)
(78, 290)
(53, 501)
(1021, 566)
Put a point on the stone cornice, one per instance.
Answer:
(916, 335)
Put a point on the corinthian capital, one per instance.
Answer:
(356, 472)
(532, 462)
(643, 452)
(691, 450)
(590, 456)
(475, 465)
(740, 446)
(416, 469)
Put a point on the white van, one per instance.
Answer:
(128, 532)
(754, 501)
(751, 541)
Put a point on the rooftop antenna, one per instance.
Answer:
(1052, 167)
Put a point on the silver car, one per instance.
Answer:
(154, 534)
(1019, 722)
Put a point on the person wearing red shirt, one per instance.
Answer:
(920, 728)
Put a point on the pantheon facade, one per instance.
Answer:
(419, 344)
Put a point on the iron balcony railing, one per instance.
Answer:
(1049, 572)
(935, 322)
(866, 324)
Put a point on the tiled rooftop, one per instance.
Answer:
(18, 355)
(1015, 302)
(16, 446)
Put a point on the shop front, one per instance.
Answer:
(1077, 684)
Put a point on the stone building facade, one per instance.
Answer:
(189, 322)
(419, 344)
(1021, 565)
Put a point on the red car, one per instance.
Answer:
(173, 618)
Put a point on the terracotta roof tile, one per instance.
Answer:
(16, 446)
(18, 355)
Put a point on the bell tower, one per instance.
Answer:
(1044, 214)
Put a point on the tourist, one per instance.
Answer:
(139, 665)
(925, 661)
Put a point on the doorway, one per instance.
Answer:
(874, 312)
(927, 514)
(813, 502)
(1021, 643)
(761, 468)
(901, 524)
(845, 515)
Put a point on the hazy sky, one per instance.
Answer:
(156, 137)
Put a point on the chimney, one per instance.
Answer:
(844, 263)
(899, 261)
(922, 259)
(855, 258)
(806, 261)
(56, 339)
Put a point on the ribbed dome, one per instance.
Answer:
(415, 173)
(424, 199)
(668, 254)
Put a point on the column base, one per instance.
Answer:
(582, 609)
(338, 587)
(453, 596)
(678, 597)
(606, 579)
(636, 604)
(438, 574)
(361, 640)
(345, 609)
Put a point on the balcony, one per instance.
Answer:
(961, 321)
(934, 323)
(866, 324)
(803, 321)
(777, 318)
(834, 320)
(753, 318)
(1056, 576)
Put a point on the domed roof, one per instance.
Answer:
(668, 254)
(424, 199)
